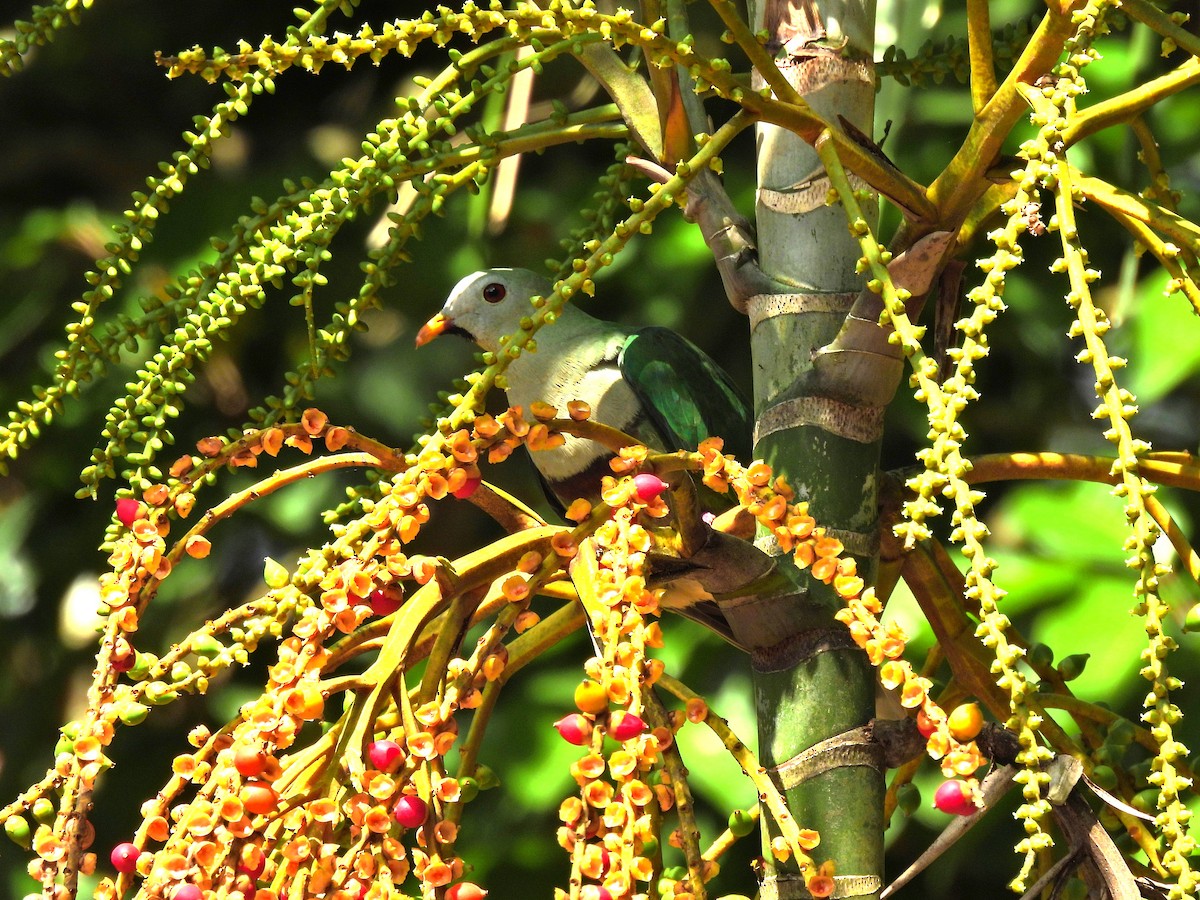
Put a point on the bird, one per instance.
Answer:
(651, 383)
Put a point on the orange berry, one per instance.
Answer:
(259, 798)
(305, 701)
(250, 760)
(591, 697)
(965, 721)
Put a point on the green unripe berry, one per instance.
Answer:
(132, 713)
(1040, 656)
(468, 788)
(274, 574)
(908, 798)
(142, 663)
(1120, 733)
(741, 823)
(1146, 801)
(1104, 777)
(1072, 666)
(207, 645)
(17, 829)
(158, 692)
(486, 777)
(43, 810)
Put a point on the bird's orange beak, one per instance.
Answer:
(431, 329)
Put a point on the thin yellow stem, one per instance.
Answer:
(759, 59)
(957, 189)
(1115, 200)
(1131, 104)
(1160, 468)
(767, 792)
(1187, 555)
(979, 44)
(1149, 14)
(1160, 191)
(1175, 260)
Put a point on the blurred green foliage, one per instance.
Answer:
(92, 116)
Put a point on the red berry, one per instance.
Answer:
(386, 600)
(124, 857)
(465, 890)
(575, 729)
(383, 754)
(257, 870)
(648, 486)
(128, 511)
(925, 725)
(259, 798)
(410, 811)
(187, 892)
(623, 726)
(469, 487)
(954, 798)
(250, 760)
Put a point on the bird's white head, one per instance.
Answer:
(487, 305)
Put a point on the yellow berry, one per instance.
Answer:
(591, 697)
(965, 721)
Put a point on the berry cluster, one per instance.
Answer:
(611, 828)
(949, 738)
(365, 806)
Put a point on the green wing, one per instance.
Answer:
(687, 396)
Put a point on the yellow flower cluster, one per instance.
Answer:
(611, 828)
(279, 808)
(263, 824)
(769, 499)
(884, 646)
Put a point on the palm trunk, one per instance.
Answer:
(814, 689)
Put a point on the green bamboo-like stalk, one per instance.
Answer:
(813, 686)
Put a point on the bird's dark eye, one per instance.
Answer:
(494, 292)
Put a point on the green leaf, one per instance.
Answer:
(1166, 343)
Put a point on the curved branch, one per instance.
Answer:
(1131, 104)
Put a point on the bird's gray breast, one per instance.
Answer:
(584, 370)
